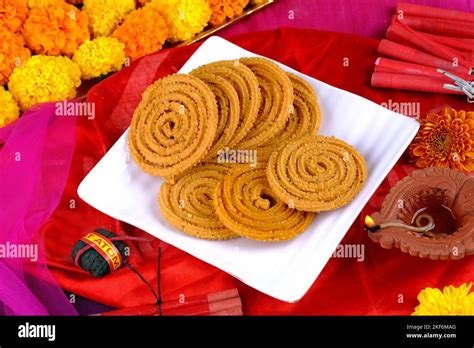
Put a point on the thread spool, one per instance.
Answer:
(91, 260)
(102, 252)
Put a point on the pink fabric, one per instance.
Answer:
(34, 162)
(362, 17)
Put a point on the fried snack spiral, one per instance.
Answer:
(174, 125)
(246, 205)
(277, 99)
(316, 173)
(246, 85)
(187, 203)
(228, 110)
(305, 118)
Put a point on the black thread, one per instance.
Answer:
(142, 279)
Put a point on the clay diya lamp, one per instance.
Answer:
(429, 214)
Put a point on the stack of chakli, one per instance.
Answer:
(237, 144)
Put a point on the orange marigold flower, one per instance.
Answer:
(143, 32)
(445, 139)
(12, 53)
(13, 14)
(223, 9)
(43, 3)
(56, 29)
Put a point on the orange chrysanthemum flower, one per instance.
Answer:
(143, 32)
(223, 9)
(13, 14)
(12, 53)
(56, 29)
(445, 139)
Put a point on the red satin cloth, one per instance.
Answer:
(387, 282)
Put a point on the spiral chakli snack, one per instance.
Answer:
(304, 119)
(246, 205)
(245, 84)
(316, 173)
(277, 100)
(174, 125)
(188, 202)
(228, 110)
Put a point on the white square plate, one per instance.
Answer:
(117, 187)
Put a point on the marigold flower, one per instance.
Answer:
(445, 139)
(143, 32)
(13, 14)
(452, 301)
(43, 3)
(44, 79)
(185, 18)
(106, 15)
(9, 110)
(56, 29)
(99, 57)
(12, 53)
(257, 2)
(225, 9)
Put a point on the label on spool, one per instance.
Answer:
(106, 248)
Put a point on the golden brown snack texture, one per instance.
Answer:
(241, 111)
(316, 173)
(246, 205)
(277, 101)
(174, 125)
(305, 118)
(246, 85)
(188, 202)
(228, 110)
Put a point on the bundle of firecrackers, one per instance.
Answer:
(49, 47)
(421, 40)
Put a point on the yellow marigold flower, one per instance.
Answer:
(99, 57)
(445, 139)
(185, 18)
(9, 110)
(143, 32)
(56, 29)
(43, 79)
(223, 9)
(106, 15)
(13, 14)
(452, 301)
(43, 3)
(12, 53)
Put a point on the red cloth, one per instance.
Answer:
(387, 282)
